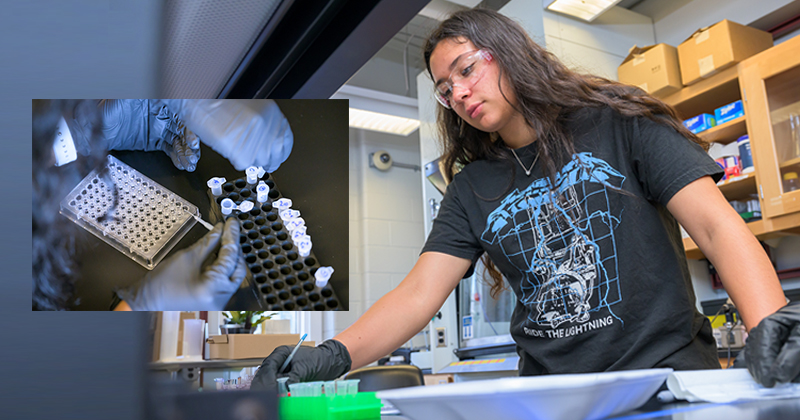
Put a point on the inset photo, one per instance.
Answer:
(192, 205)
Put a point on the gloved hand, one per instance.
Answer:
(772, 351)
(325, 362)
(137, 124)
(250, 132)
(202, 277)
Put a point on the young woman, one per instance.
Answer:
(572, 186)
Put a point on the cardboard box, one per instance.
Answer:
(717, 47)
(249, 346)
(654, 69)
(438, 378)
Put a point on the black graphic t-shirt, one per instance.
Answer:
(598, 269)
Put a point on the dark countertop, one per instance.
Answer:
(315, 177)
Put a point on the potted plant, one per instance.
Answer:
(243, 322)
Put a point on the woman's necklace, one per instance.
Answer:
(528, 170)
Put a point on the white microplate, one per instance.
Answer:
(147, 222)
(323, 274)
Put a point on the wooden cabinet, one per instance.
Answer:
(769, 86)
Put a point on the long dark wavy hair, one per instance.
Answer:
(54, 245)
(547, 92)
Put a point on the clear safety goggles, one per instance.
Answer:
(470, 67)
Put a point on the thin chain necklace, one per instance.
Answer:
(528, 170)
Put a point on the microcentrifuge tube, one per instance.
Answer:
(252, 175)
(295, 223)
(282, 204)
(261, 172)
(246, 206)
(227, 206)
(261, 191)
(298, 233)
(322, 275)
(289, 214)
(304, 247)
(216, 185)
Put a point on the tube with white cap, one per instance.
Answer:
(322, 275)
(289, 214)
(298, 233)
(252, 175)
(227, 206)
(295, 223)
(262, 191)
(304, 247)
(282, 204)
(216, 185)
(246, 206)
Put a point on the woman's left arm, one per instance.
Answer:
(722, 235)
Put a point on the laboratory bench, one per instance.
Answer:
(314, 177)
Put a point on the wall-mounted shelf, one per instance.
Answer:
(739, 187)
(707, 95)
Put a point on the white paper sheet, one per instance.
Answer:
(726, 385)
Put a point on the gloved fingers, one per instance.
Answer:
(240, 272)
(208, 243)
(182, 152)
(192, 147)
(229, 252)
(170, 151)
(787, 364)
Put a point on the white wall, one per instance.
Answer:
(599, 47)
(386, 230)
(674, 25)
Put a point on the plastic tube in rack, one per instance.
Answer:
(304, 247)
(298, 233)
(295, 223)
(282, 204)
(323, 274)
(289, 214)
(261, 192)
(227, 206)
(216, 185)
(246, 206)
(261, 172)
(252, 175)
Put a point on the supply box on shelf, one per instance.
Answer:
(718, 47)
(728, 112)
(653, 68)
(249, 346)
(700, 123)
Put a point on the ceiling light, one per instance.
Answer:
(380, 111)
(587, 10)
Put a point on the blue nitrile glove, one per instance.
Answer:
(137, 124)
(325, 362)
(202, 277)
(772, 351)
(250, 132)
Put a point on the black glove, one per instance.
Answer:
(773, 348)
(325, 362)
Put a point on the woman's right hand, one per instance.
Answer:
(325, 362)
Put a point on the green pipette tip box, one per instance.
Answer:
(361, 406)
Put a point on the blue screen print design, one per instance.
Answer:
(562, 241)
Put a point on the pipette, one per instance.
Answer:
(207, 225)
(291, 355)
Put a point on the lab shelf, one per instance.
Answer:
(707, 95)
(207, 364)
(739, 187)
(725, 133)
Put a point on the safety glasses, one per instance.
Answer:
(469, 68)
